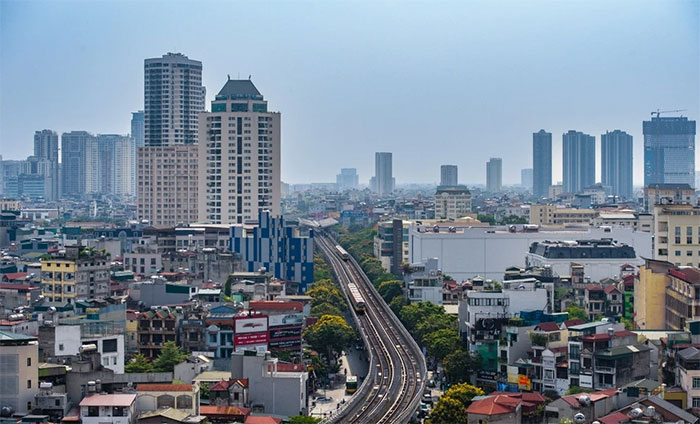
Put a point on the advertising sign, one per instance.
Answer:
(245, 325)
(249, 339)
(281, 333)
(285, 344)
(286, 320)
(524, 382)
(257, 348)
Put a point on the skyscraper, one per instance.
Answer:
(578, 161)
(46, 158)
(448, 175)
(137, 128)
(526, 178)
(494, 175)
(116, 164)
(541, 163)
(669, 150)
(383, 174)
(239, 156)
(74, 162)
(173, 97)
(347, 179)
(616, 172)
(167, 164)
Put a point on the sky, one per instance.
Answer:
(434, 82)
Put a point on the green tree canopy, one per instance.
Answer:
(448, 411)
(321, 269)
(514, 219)
(303, 419)
(434, 323)
(574, 390)
(329, 334)
(442, 342)
(460, 365)
(414, 313)
(486, 218)
(576, 312)
(325, 309)
(170, 356)
(325, 294)
(397, 304)
(138, 364)
(390, 289)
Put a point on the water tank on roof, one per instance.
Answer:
(579, 418)
(584, 400)
(635, 413)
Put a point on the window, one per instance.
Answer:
(93, 411)
(689, 235)
(678, 252)
(696, 382)
(689, 253)
(696, 402)
(29, 362)
(29, 384)
(678, 235)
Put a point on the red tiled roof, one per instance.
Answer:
(609, 289)
(15, 276)
(18, 287)
(595, 397)
(547, 326)
(593, 287)
(289, 367)
(8, 322)
(108, 400)
(614, 418)
(260, 419)
(690, 275)
(275, 305)
(494, 405)
(164, 388)
(624, 333)
(595, 337)
(223, 385)
(223, 410)
(571, 322)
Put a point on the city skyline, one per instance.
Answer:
(472, 109)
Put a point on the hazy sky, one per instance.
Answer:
(433, 82)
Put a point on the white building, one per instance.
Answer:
(69, 339)
(424, 283)
(466, 252)
(239, 156)
(108, 409)
(452, 202)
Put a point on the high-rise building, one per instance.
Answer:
(578, 161)
(383, 174)
(74, 162)
(239, 156)
(124, 171)
(452, 202)
(669, 150)
(137, 128)
(448, 175)
(173, 97)
(494, 175)
(526, 178)
(167, 164)
(92, 166)
(46, 157)
(616, 172)
(541, 163)
(347, 179)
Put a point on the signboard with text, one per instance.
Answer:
(255, 324)
(286, 320)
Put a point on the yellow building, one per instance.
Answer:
(58, 282)
(552, 215)
(650, 295)
(677, 234)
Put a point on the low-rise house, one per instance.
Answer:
(192, 367)
(170, 416)
(231, 392)
(549, 357)
(224, 414)
(688, 374)
(156, 327)
(506, 408)
(179, 396)
(114, 409)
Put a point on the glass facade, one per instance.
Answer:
(669, 151)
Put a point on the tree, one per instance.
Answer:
(412, 314)
(204, 391)
(170, 355)
(442, 342)
(321, 269)
(433, 323)
(574, 390)
(397, 304)
(372, 267)
(629, 323)
(139, 364)
(576, 312)
(303, 419)
(452, 405)
(514, 219)
(324, 294)
(447, 277)
(329, 334)
(460, 364)
(390, 289)
(486, 218)
(325, 309)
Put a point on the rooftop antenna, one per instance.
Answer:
(249, 77)
(659, 112)
(229, 76)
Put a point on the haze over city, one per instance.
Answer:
(434, 83)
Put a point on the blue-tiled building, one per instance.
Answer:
(277, 247)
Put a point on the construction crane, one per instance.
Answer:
(659, 112)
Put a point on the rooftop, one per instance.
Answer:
(239, 89)
(108, 400)
(164, 388)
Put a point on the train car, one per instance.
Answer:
(341, 252)
(358, 302)
(351, 384)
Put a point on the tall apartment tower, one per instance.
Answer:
(541, 163)
(578, 161)
(494, 175)
(138, 128)
(616, 148)
(45, 162)
(347, 179)
(526, 178)
(383, 174)
(669, 151)
(167, 164)
(448, 175)
(239, 156)
(74, 165)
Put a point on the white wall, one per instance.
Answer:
(472, 251)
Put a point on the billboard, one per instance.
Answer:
(285, 344)
(244, 325)
(286, 320)
(261, 348)
(281, 333)
(247, 339)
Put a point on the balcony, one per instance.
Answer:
(605, 370)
